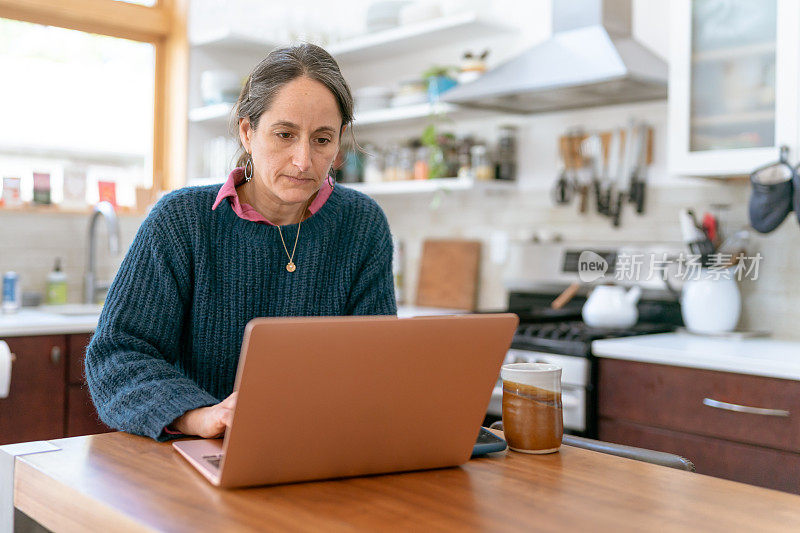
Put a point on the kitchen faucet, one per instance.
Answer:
(92, 287)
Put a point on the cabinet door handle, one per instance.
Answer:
(744, 408)
(55, 355)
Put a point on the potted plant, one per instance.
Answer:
(437, 167)
(440, 79)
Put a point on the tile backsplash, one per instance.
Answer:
(31, 242)
(769, 302)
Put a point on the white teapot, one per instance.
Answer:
(611, 306)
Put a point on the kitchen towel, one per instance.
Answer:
(5, 369)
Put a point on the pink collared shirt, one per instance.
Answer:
(246, 211)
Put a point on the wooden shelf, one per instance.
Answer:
(402, 114)
(55, 209)
(409, 38)
(230, 40)
(220, 113)
(211, 114)
(429, 186)
(417, 37)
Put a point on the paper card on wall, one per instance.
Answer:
(107, 192)
(74, 187)
(41, 188)
(12, 192)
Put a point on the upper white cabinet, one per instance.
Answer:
(733, 84)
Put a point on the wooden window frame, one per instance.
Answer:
(163, 26)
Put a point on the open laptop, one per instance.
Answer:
(334, 397)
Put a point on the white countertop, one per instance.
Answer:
(46, 320)
(78, 318)
(758, 356)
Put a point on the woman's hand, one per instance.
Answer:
(207, 422)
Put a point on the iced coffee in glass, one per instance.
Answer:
(533, 418)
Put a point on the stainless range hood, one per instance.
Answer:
(591, 60)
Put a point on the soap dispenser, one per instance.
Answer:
(57, 285)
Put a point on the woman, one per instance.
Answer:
(277, 239)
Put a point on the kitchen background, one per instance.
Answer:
(497, 215)
(480, 123)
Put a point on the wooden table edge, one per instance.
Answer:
(32, 488)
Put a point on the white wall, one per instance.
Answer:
(30, 243)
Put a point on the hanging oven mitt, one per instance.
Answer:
(773, 193)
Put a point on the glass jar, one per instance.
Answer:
(405, 166)
(481, 167)
(373, 164)
(507, 153)
(421, 168)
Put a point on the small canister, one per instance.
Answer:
(11, 292)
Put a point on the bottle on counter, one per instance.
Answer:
(11, 292)
(57, 285)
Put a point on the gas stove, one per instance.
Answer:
(574, 337)
(536, 275)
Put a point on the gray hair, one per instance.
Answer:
(279, 68)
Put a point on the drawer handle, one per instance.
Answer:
(55, 355)
(744, 409)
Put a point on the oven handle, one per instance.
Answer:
(744, 408)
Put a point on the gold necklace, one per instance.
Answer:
(290, 266)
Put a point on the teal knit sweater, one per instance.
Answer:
(170, 333)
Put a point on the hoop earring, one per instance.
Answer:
(248, 164)
(331, 182)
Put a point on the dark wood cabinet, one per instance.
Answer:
(76, 346)
(687, 411)
(34, 408)
(81, 416)
(48, 398)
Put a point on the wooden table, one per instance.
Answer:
(120, 482)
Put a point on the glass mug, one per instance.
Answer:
(533, 417)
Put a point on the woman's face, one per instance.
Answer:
(296, 141)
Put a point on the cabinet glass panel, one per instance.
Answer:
(733, 74)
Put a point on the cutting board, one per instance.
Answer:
(448, 275)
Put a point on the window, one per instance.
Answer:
(76, 103)
(95, 87)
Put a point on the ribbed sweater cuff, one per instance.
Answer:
(177, 402)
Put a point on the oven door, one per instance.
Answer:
(574, 378)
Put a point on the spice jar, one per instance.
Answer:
(507, 153)
(481, 167)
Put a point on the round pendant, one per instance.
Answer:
(291, 267)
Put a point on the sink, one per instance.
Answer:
(73, 309)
